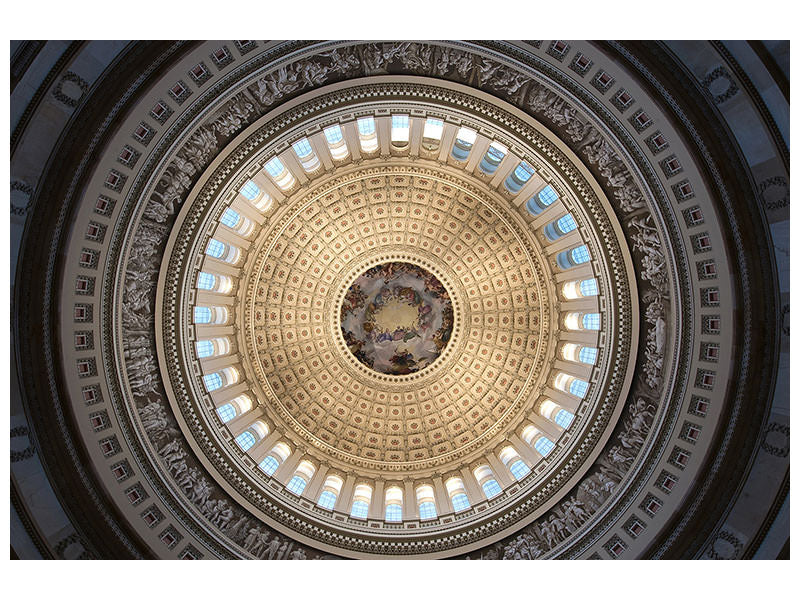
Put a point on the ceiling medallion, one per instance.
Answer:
(396, 318)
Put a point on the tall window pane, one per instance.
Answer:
(250, 190)
(427, 510)
(591, 321)
(563, 418)
(589, 287)
(246, 440)
(296, 485)
(215, 248)
(544, 446)
(226, 412)
(360, 509)
(394, 513)
(491, 488)
(460, 502)
(202, 314)
(588, 355)
(206, 281)
(269, 465)
(212, 381)
(205, 348)
(327, 499)
(519, 469)
(230, 218)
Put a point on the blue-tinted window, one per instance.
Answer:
(302, 148)
(360, 509)
(547, 196)
(274, 167)
(460, 502)
(427, 510)
(544, 446)
(399, 121)
(394, 513)
(563, 418)
(333, 134)
(226, 412)
(202, 314)
(580, 255)
(296, 485)
(327, 499)
(246, 440)
(589, 287)
(366, 126)
(523, 172)
(250, 190)
(519, 470)
(591, 321)
(205, 348)
(213, 381)
(566, 224)
(269, 465)
(491, 488)
(206, 281)
(578, 388)
(215, 248)
(230, 218)
(588, 355)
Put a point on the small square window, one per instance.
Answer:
(88, 258)
(709, 352)
(82, 313)
(152, 515)
(680, 457)
(84, 286)
(95, 231)
(99, 420)
(651, 505)
(683, 190)
(580, 64)
(91, 395)
(622, 100)
(134, 495)
(109, 446)
(170, 537)
(222, 57)
(671, 166)
(121, 470)
(128, 156)
(245, 46)
(558, 49)
(115, 180)
(634, 527)
(161, 111)
(178, 89)
(603, 81)
(190, 553)
(699, 406)
(104, 206)
(615, 546)
(710, 297)
(86, 367)
(84, 340)
(667, 481)
(143, 133)
(701, 242)
(707, 269)
(200, 73)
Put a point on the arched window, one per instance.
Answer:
(215, 248)
(519, 469)
(460, 502)
(588, 355)
(465, 139)
(591, 321)
(226, 412)
(514, 462)
(393, 504)
(491, 488)
(206, 281)
(279, 453)
(432, 134)
(214, 283)
(367, 135)
(519, 177)
(493, 157)
(426, 502)
(231, 218)
(269, 465)
(578, 321)
(280, 174)
(589, 287)
(561, 227)
(563, 418)
(330, 492)
(336, 144)
(534, 437)
(302, 475)
(401, 128)
(542, 200)
(296, 485)
(212, 381)
(486, 480)
(578, 388)
(457, 493)
(216, 315)
(205, 348)
(543, 446)
(327, 500)
(250, 190)
(573, 257)
(362, 495)
(202, 314)
(305, 154)
(246, 440)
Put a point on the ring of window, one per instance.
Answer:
(367, 135)
(336, 142)
(519, 177)
(539, 202)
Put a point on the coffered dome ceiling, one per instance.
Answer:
(337, 299)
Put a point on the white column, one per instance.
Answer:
(376, 502)
(346, 495)
(311, 491)
(410, 508)
(501, 472)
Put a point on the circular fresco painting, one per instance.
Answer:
(396, 318)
